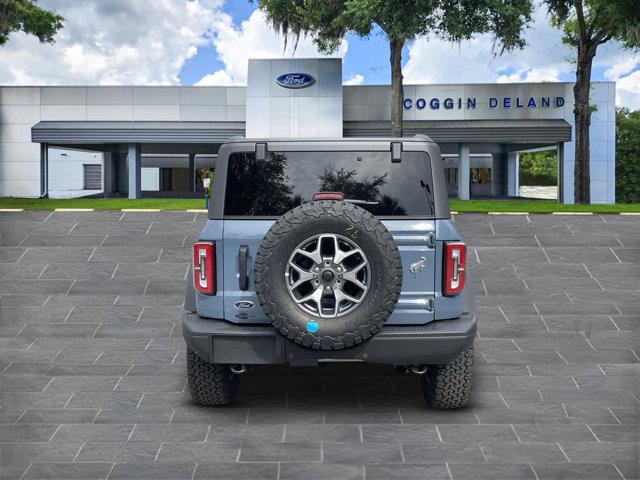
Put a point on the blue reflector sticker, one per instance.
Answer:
(312, 326)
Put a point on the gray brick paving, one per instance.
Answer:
(92, 381)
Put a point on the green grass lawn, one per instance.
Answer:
(479, 206)
(102, 203)
(536, 206)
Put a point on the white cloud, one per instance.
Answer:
(114, 42)
(531, 75)
(357, 79)
(544, 59)
(622, 65)
(143, 42)
(219, 78)
(625, 70)
(253, 39)
(149, 41)
(432, 60)
(628, 91)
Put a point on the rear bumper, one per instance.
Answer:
(219, 341)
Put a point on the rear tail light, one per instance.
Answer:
(455, 259)
(328, 196)
(204, 267)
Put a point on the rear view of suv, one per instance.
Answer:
(330, 251)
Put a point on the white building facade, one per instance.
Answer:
(160, 141)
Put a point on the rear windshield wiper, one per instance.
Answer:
(360, 202)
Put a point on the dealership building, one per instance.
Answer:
(151, 141)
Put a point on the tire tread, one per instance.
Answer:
(448, 386)
(210, 383)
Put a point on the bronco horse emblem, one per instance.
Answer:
(415, 267)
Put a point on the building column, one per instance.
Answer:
(464, 152)
(134, 170)
(513, 167)
(44, 170)
(192, 172)
(561, 175)
(498, 173)
(107, 173)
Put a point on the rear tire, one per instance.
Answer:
(210, 384)
(448, 386)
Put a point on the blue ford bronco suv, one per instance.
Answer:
(330, 250)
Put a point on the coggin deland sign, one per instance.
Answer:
(469, 103)
(302, 80)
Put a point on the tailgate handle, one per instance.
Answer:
(242, 267)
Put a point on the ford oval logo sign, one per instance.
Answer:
(243, 304)
(295, 80)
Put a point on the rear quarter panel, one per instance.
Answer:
(450, 307)
(212, 305)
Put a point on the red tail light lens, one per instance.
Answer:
(204, 267)
(328, 196)
(454, 275)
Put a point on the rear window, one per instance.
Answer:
(288, 179)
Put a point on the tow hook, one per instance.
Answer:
(239, 369)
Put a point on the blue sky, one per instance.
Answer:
(365, 56)
(206, 60)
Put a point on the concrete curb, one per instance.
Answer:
(140, 210)
(571, 213)
(204, 210)
(74, 210)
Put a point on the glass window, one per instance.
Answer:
(288, 179)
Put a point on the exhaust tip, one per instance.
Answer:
(238, 369)
(420, 370)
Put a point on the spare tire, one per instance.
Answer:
(328, 274)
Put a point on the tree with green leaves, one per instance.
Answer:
(587, 24)
(328, 21)
(627, 156)
(539, 168)
(27, 16)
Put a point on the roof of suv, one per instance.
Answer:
(415, 138)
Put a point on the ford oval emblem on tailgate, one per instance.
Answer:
(243, 304)
(295, 80)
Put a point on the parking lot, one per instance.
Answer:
(92, 364)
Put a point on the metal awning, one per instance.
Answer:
(471, 131)
(442, 131)
(72, 133)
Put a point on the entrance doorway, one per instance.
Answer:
(480, 175)
(538, 174)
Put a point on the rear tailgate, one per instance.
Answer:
(415, 240)
(236, 234)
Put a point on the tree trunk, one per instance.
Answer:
(582, 114)
(397, 89)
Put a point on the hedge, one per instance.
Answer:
(627, 156)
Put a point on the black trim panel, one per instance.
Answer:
(219, 341)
